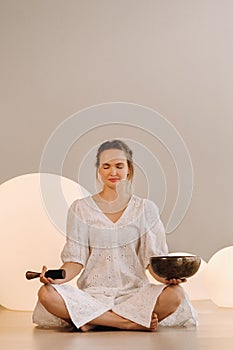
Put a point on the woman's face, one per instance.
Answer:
(113, 167)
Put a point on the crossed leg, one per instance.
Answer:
(168, 301)
(53, 302)
(166, 304)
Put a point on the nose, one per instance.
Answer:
(113, 170)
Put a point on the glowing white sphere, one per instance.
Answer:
(219, 277)
(28, 237)
(195, 285)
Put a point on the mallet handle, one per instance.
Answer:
(54, 274)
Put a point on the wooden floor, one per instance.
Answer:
(215, 332)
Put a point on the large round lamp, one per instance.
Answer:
(219, 277)
(29, 238)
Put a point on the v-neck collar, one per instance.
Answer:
(107, 218)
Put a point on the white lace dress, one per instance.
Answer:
(115, 257)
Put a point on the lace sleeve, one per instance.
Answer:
(153, 239)
(76, 248)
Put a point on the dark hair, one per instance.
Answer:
(117, 144)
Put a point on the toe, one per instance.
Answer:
(87, 327)
(154, 321)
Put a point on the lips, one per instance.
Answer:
(113, 179)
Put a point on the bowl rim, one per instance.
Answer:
(172, 257)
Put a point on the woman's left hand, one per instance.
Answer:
(175, 281)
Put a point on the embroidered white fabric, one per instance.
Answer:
(114, 256)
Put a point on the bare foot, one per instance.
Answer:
(88, 327)
(154, 321)
(135, 326)
(111, 319)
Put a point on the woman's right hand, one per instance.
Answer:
(48, 280)
(43, 279)
(72, 269)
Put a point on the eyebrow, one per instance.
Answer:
(116, 163)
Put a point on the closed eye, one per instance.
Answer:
(105, 166)
(118, 165)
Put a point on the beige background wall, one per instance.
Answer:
(58, 57)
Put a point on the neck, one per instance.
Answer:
(111, 195)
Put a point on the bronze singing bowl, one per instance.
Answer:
(175, 266)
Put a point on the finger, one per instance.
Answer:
(43, 279)
(181, 280)
(51, 280)
(178, 281)
(170, 281)
(173, 281)
(44, 269)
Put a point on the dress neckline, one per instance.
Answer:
(106, 217)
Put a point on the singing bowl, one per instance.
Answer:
(175, 266)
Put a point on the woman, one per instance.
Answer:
(110, 238)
